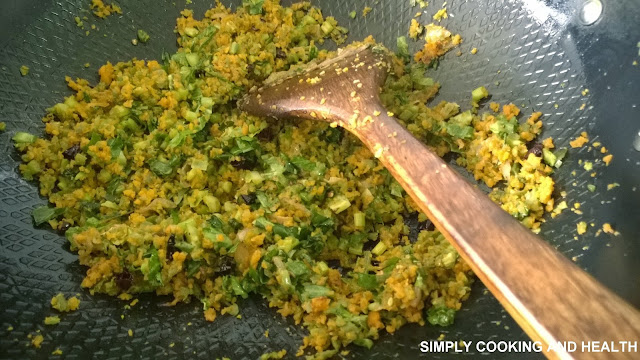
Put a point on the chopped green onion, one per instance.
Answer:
(359, 220)
(24, 138)
(191, 31)
(235, 47)
(339, 204)
(192, 59)
(549, 157)
(479, 94)
(313, 291)
(212, 203)
(379, 249)
(560, 154)
(200, 164)
(327, 27)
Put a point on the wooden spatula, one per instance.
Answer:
(551, 298)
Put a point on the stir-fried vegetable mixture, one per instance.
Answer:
(161, 185)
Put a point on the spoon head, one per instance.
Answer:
(330, 90)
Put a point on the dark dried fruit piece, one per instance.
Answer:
(171, 247)
(249, 199)
(71, 152)
(335, 264)
(63, 226)
(124, 280)
(535, 149)
(225, 266)
(243, 163)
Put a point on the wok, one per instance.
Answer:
(533, 53)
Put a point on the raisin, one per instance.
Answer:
(535, 149)
(249, 198)
(71, 152)
(124, 280)
(335, 264)
(63, 226)
(171, 247)
(225, 266)
(243, 163)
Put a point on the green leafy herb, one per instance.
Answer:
(116, 145)
(286, 231)
(143, 36)
(312, 244)
(95, 137)
(215, 222)
(303, 164)
(193, 267)
(262, 223)
(264, 200)
(205, 36)
(355, 243)
(313, 291)
(440, 315)
(244, 144)
(233, 286)
(274, 167)
(403, 48)
(333, 135)
(297, 268)
(220, 240)
(367, 281)
(418, 78)
(460, 132)
(185, 246)
(313, 52)
(164, 168)
(321, 221)
(396, 189)
(44, 213)
(389, 265)
(153, 268)
(254, 6)
(504, 127)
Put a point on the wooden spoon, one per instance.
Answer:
(550, 297)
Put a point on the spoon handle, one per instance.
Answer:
(551, 298)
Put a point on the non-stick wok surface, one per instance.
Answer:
(527, 51)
